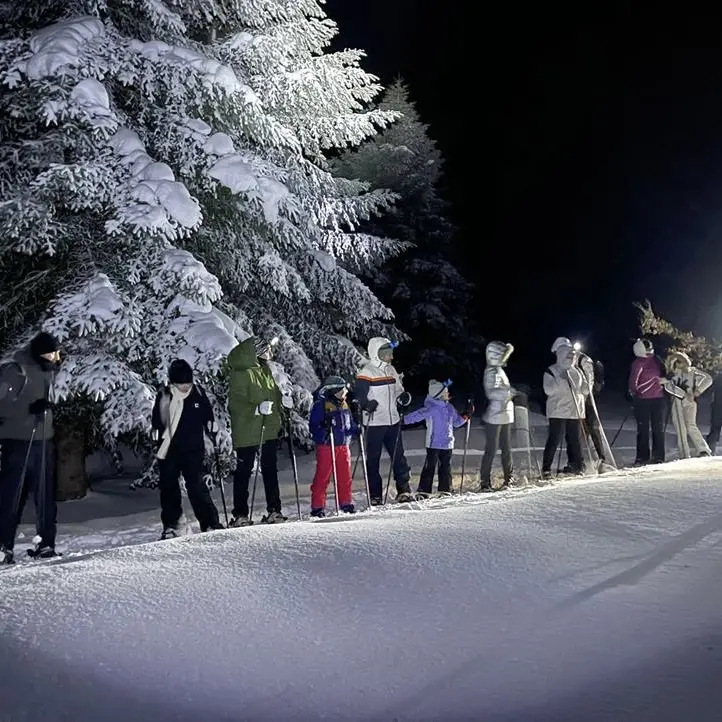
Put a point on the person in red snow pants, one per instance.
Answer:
(331, 415)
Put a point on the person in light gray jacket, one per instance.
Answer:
(499, 414)
(566, 388)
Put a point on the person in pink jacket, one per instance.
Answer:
(645, 387)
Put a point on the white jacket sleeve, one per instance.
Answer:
(553, 385)
(702, 382)
(494, 386)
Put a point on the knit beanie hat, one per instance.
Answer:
(435, 388)
(332, 385)
(180, 372)
(43, 343)
(643, 347)
(561, 342)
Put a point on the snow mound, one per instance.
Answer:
(60, 46)
(591, 601)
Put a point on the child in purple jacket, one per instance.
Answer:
(441, 419)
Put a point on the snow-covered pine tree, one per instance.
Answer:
(705, 354)
(162, 176)
(427, 293)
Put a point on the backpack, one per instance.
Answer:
(12, 382)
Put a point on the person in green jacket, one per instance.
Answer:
(256, 407)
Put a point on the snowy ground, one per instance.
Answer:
(591, 600)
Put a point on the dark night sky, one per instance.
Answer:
(584, 158)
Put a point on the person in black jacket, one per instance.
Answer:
(181, 416)
(28, 448)
(715, 424)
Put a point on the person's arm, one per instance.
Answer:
(702, 382)
(316, 421)
(361, 393)
(552, 385)
(416, 417)
(495, 388)
(156, 422)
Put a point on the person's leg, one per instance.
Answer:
(487, 461)
(199, 495)
(13, 490)
(343, 474)
(690, 419)
(574, 442)
(321, 477)
(171, 505)
(554, 437)
(445, 476)
(715, 425)
(374, 444)
(592, 422)
(426, 480)
(394, 441)
(269, 472)
(46, 506)
(507, 463)
(245, 456)
(643, 415)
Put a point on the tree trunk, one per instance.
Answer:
(70, 449)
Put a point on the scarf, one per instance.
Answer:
(177, 399)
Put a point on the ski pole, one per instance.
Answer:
(467, 432)
(219, 474)
(619, 431)
(334, 476)
(294, 467)
(258, 468)
(42, 484)
(393, 460)
(533, 445)
(362, 449)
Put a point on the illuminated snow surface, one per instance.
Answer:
(590, 600)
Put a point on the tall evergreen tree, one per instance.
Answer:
(427, 293)
(163, 193)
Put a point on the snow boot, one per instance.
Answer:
(240, 521)
(214, 527)
(404, 497)
(422, 495)
(42, 551)
(348, 508)
(274, 517)
(377, 501)
(546, 475)
(7, 557)
(319, 513)
(170, 532)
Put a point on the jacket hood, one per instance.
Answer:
(678, 358)
(498, 352)
(243, 356)
(561, 342)
(375, 345)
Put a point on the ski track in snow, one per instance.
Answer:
(593, 599)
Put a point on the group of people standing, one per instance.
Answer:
(182, 419)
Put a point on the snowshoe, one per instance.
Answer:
(240, 521)
(444, 494)
(169, 532)
(348, 509)
(318, 513)
(546, 476)
(485, 487)
(604, 468)
(42, 552)
(7, 557)
(377, 501)
(404, 497)
(274, 517)
(214, 527)
(422, 495)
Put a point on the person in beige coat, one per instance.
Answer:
(693, 383)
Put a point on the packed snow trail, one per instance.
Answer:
(594, 600)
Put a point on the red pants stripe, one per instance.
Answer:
(322, 477)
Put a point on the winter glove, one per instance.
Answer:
(630, 397)
(287, 402)
(404, 400)
(469, 411)
(212, 431)
(155, 435)
(371, 406)
(265, 408)
(39, 407)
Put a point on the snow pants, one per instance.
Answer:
(246, 455)
(324, 472)
(650, 413)
(190, 465)
(497, 435)
(572, 429)
(378, 437)
(436, 458)
(17, 479)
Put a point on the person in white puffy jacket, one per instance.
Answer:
(380, 393)
(499, 414)
(566, 388)
(694, 383)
